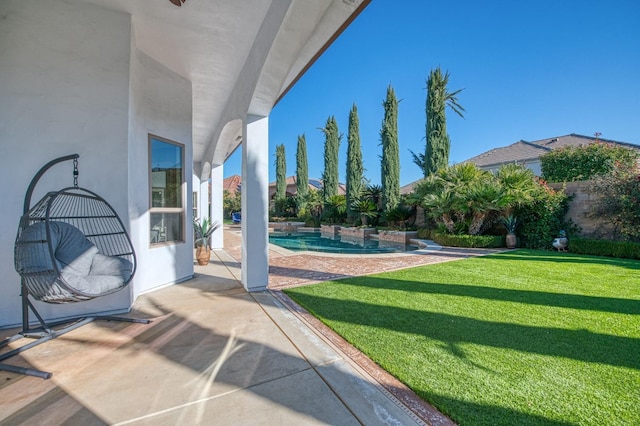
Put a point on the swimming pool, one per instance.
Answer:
(315, 242)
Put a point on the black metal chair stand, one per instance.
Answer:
(71, 247)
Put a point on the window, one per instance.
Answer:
(166, 166)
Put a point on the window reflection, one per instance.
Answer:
(166, 198)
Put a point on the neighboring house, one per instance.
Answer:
(154, 98)
(528, 153)
(292, 189)
(232, 184)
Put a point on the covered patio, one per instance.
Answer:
(214, 354)
(154, 96)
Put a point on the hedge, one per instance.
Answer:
(469, 241)
(622, 249)
(425, 233)
(574, 163)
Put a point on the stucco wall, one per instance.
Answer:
(161, 105)
(72, 81)
(64, 88)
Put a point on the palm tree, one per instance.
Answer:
(485, 199)
(437, 140)
(441, 207)
(374, 193)
(336, 208)
(461, 174)
(365, 208)
(519, 182)
(315, 205)
(400, 215)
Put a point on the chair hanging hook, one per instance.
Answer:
(75, 172)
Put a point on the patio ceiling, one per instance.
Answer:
(256, 48)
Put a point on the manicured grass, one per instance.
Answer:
(519, 338)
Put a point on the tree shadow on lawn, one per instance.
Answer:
(551, 256)
(489, 414)
(581, 345)
(542, 298)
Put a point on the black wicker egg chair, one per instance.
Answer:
(71, 247)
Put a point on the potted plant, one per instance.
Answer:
(203, 231)
(510, 223)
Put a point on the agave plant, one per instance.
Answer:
(204, 230)
(510, 223)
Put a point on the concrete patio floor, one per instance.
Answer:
(214, 354)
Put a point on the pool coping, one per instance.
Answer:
(425, 247)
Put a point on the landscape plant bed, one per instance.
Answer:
(524, 337)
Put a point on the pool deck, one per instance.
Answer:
(215, 354)
(291, 269)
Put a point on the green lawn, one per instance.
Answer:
(519, 338)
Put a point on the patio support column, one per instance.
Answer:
(203, 209)
(217, 211)
(255, 203)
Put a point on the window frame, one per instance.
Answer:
(183, 189)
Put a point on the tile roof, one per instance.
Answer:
(519, 151)
(232, 184)
(315, 184)
(523, 151)
(526, 152)
(408, 188)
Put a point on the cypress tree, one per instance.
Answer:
(355, 169)
(302, 174)
(281, 173)
(390, 152)
(331, 147)
(438, 143)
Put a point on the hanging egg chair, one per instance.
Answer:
(71, 247)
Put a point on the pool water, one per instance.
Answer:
(315, 242)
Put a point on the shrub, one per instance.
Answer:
(285, 207)
(425, 233)
(231, 203)
(574, 163)
(467, 200)
(543, 218)
(469, 241)
(400, 216)
(619, 202)
(622, 249)
(335, 209)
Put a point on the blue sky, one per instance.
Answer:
(529, 70)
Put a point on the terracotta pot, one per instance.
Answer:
(511, 241)
(203, 254)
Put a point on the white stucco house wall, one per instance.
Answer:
(112, 80)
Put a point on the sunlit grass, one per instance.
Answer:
(526, 337)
